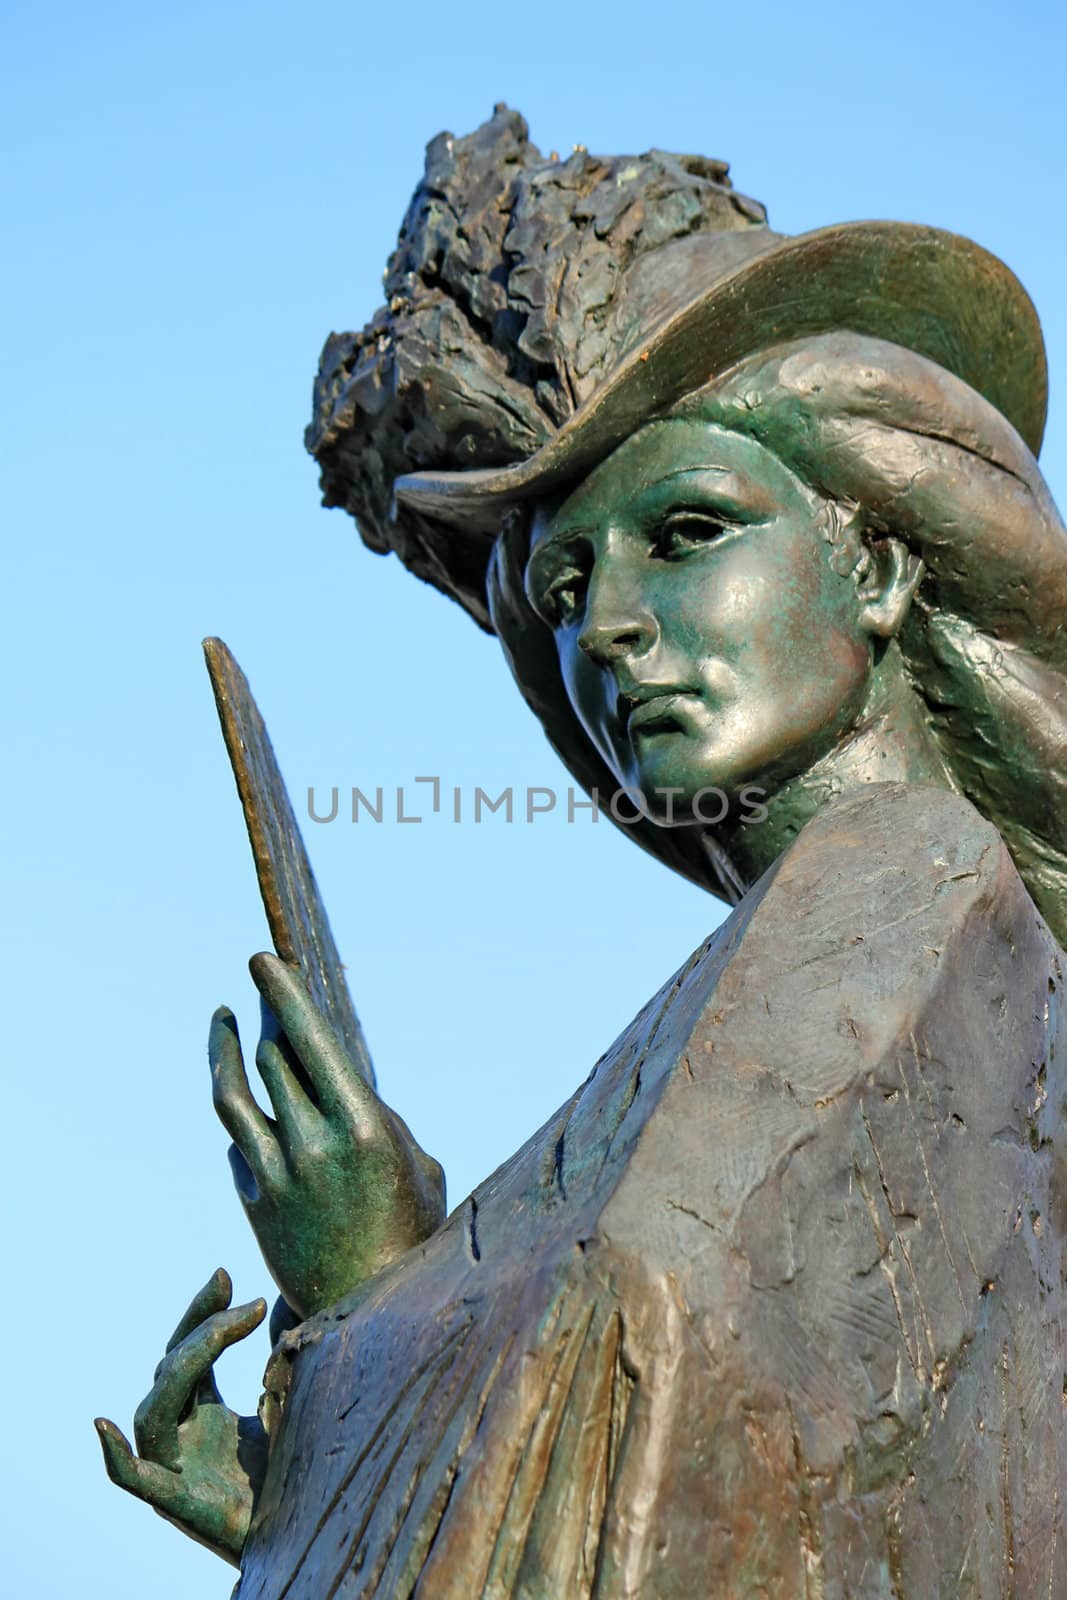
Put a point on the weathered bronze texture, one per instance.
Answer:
(773, 1301)
(296, 917)
(774, 1305)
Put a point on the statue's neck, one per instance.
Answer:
(890, 742)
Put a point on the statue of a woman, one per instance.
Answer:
(774, 1305)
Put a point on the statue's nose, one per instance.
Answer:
(611, 633)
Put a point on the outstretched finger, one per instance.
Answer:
(155, 1425)
(234, 1102)
(214, 1296)
(145, 1479)
(329, 1068)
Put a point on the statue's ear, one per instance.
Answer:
(887, 576)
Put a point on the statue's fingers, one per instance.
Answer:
(155, 1425)
(214, 1296)
(295, 1111)
(147, 1480)
(330, 1069)
(235, 1104)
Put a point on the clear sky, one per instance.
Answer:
(194, 195)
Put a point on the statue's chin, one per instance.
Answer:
(685, 782)
(689, 780)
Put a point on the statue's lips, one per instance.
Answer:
(657, 712)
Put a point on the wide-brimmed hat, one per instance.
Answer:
(539, 310)
(726, 296)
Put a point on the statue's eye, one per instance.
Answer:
(683, 531)
(557, 579)
(561, 598)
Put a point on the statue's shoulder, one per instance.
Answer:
(880, 884)
(875, 838)
(893, 903)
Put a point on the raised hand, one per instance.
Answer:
(335, 1187)
(198, 1464)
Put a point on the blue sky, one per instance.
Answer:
(194, 196)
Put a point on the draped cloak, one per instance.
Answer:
(771, 1308)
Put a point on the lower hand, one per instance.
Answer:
(199, 1464)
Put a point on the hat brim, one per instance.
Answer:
(933, 292)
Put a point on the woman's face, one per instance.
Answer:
(704, 638)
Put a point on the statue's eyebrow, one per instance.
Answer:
(684, 472)
(746, 496)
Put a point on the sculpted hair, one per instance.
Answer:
(903, 448)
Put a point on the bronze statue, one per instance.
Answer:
(774, 1305)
